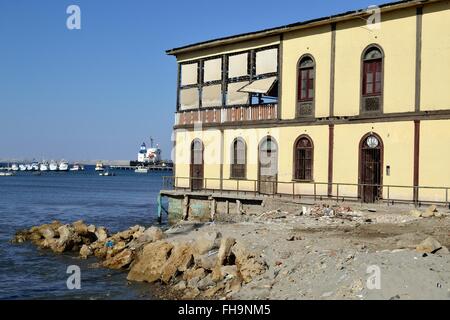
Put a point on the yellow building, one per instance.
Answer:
(354, 106)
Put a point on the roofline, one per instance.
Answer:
(294, 26)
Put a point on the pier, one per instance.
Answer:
(149, 167)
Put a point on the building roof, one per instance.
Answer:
(290, 27)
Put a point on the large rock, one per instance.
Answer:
(48, 233)
(180, 260)
(149, 262)
(248, 263)
(192, 273)
(68, 238)
(120, 260)
(80, 227)
(429, 245)
(206, 242)
(225, 250)
(430, 212)
(221, 272)
(206, 283)
(101, 233)
(206, 261)
(85, 251)
(415, 213)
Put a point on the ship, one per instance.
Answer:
(150, 155)
(99, 166)
(63, 166)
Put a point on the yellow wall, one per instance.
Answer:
(398, 140)
(317, 43)
(397, 37)
(435, 92)
(434, 158)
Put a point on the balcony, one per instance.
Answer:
(227, 115)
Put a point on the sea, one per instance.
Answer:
(116, 202)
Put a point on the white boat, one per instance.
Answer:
(76, 167)
(22, 167)
(7, 174)
(99, 167)
(29, 167)
(63, 166)
(107, 174)
(15, 167)
(53, 166)
(43, 166)
(141, 169)
(35, 166)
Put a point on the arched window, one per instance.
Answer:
(372, 79)
(306, 86)
(238, 159)
(303, 158)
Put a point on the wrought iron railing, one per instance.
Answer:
(311, 190)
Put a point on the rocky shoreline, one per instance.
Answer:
(281, 250)
(207, 266)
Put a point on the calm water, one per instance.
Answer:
(114, 202)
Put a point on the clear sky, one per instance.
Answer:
(98, 92)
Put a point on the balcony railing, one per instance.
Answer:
(227, 114)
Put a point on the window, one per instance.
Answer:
(303, 158)
(306, 87)
(372, 79)
(238, 159)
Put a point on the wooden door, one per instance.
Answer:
(196, 169)
(268, 166)
(371, 153)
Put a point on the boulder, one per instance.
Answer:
(180, 285)
(80, 227)
(206, 283)
(85, 251)
(225, 250)
(180, 260)
(430, 212)
(206, 242)
(153, 234)
(67, 239)
(221, 272)
(192, 273)
(48, 233)
(91, 228)
(149, 261)
(206, 261)
(429, 245)
(248, 264)
(120, 260)
(101, 234)
(415, 213)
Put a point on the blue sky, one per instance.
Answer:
(98, 92)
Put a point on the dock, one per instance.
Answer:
(149, 167)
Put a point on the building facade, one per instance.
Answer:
(354, 106)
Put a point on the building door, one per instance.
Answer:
(196, 165)
(268, 166)
(371, 168)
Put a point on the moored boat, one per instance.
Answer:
(15, 167)
(141, 169)
(43, 166)
(63, 165)
(99, 167)
(53, 166)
